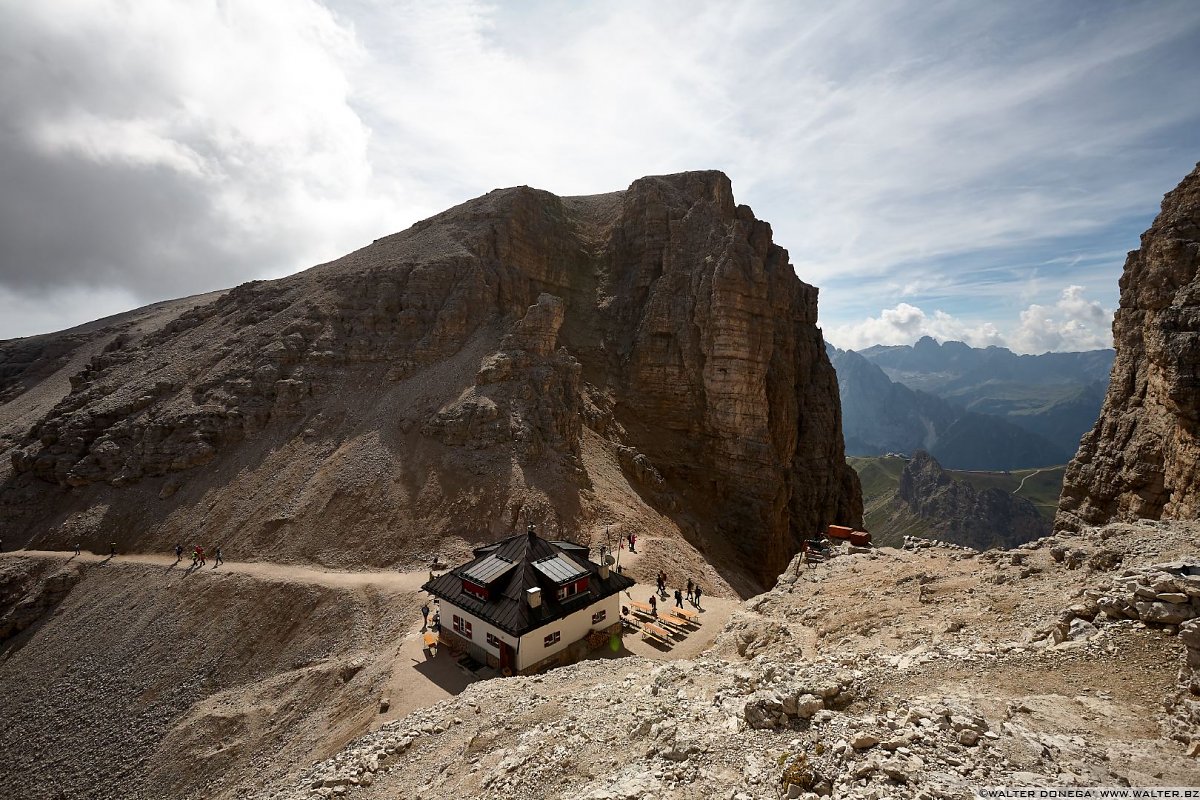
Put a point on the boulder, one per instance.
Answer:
(807, 705)
(863, 740)
(1164, 613)
(764, 709)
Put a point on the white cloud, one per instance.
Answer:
(1073, 323)
(58, 309)
(180, 147)
(905, 323)
(176, 147)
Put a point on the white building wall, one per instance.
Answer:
(571, 629)
(479, 628)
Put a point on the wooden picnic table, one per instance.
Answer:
(645, 607)
(657, 633)
(692, 616)
(678, 622)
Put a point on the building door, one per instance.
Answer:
(506, 658)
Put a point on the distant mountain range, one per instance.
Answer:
(971, 408)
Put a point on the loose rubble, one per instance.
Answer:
(777, 710)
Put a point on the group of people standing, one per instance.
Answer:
(436, 624)
(693, 592)
(199, 558)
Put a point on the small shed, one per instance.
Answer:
(856, 537)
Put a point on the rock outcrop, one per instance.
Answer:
(645, 358)
(962, 514)
(879, 674)
(1141, 459)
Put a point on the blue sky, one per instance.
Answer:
(959, 169)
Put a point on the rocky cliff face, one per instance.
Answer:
(644, 359)
(1141, 459)
(962, 514)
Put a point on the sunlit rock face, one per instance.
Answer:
(519, 356)
(1141, 459)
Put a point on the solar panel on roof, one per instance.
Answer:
(488, 570)
(559, 569)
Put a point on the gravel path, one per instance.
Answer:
(284, 573)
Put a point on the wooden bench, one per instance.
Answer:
(680, 622)
(655, 632)
(688, 614)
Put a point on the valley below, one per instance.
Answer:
(890, 516)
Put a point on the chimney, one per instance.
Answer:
(534, 596)
(603, 572)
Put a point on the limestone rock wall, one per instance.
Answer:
(1141, 459)
(964, 515)
(485, 364)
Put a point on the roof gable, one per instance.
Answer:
(488, 569)
(559, 569)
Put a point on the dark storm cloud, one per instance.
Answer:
(984, 165)
(64, 219)
(167, 150)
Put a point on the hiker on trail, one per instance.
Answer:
(654, 605)
(425, 615)
(200, 555)
(77, 546)
(658, 582)
(690, 590)
(220, 559)
(178, 553)
(633, 542)
(678, 599)
(697, 600)
(112, 549)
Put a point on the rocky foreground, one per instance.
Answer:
(892, 673)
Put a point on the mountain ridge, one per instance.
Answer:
(881, 416)
(635, 360)
(1054, 395)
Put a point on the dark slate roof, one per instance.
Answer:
(507, 607)
(487, 569)
(578, 548)
(559, 569)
